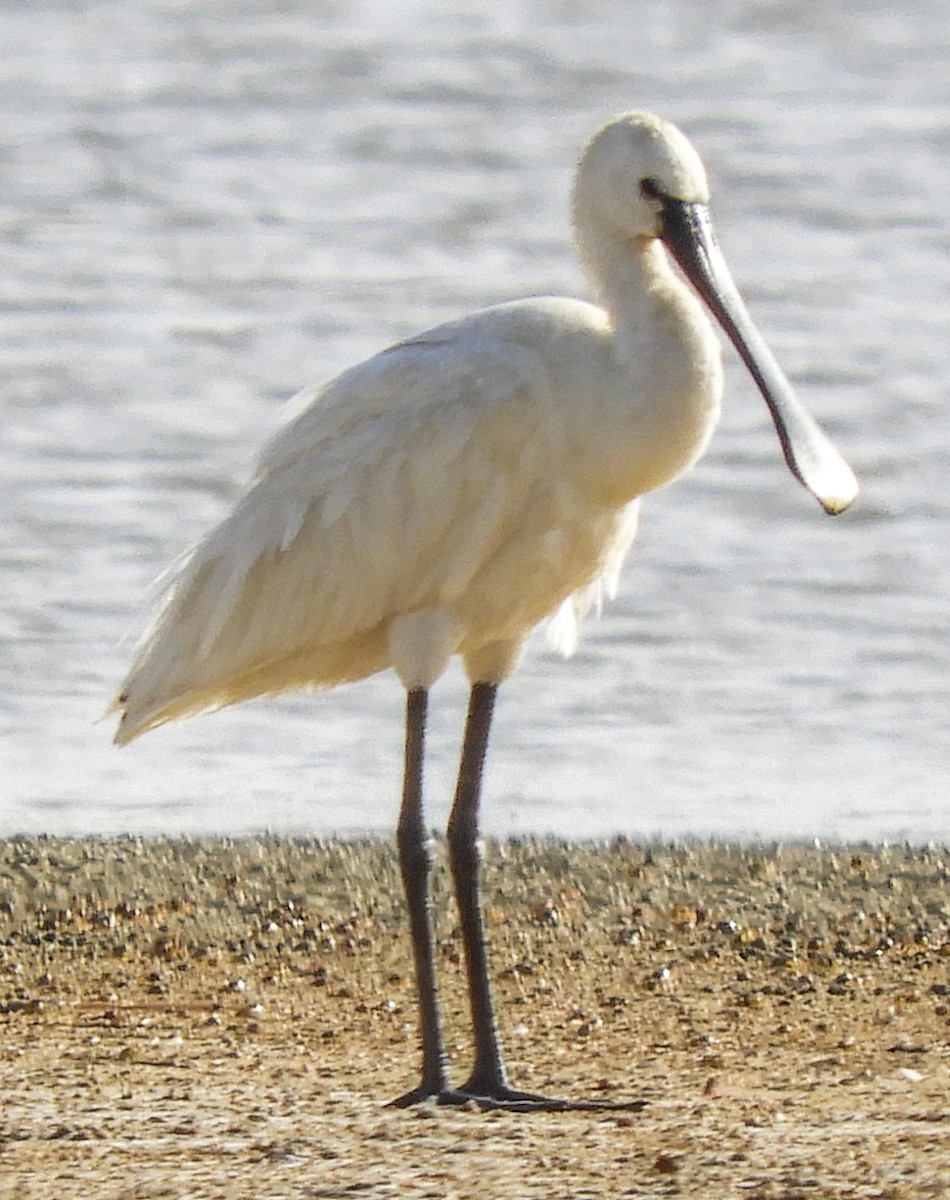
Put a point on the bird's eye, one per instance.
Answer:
(651, 189)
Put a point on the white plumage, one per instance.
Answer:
(451, 472)
(455, 490)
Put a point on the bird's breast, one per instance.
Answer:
(657, 403)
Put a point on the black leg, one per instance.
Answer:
(415, 861)
(488, 1083)
(487, 1086)
(488, 1077)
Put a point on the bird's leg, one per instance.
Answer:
(488, 1083)
(488, 1077)
(415, 862)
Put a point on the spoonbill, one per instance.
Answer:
(453, 491)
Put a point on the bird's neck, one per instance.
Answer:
(631, 278)
(665, 348)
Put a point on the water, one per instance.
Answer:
(207, 205)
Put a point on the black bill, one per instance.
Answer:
(811, 457)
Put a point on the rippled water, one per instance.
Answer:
(207, 205)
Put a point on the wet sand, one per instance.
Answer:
(227, 1019)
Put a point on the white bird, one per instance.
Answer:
(453, 491)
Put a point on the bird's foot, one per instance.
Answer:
(423, 1094)
(508, 1099)
(499, 1097)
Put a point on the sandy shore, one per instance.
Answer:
(227, 1019)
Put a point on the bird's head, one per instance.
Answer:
(631, 168)
(640, 182)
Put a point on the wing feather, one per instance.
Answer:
(384, 495)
